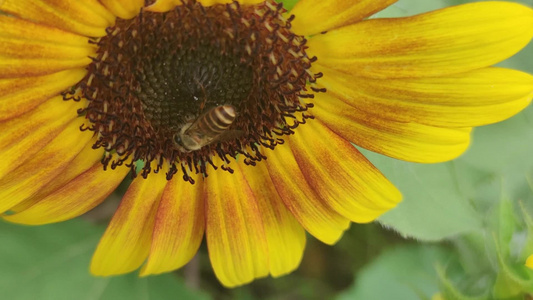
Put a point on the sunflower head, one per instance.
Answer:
(184, 87)
(161, 79)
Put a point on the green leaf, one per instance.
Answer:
(411, 7)
(513, 280)
(443, 200)
(433, 207)
(406, 272)
(288, 4)
(506, 220)
(52, 262)
(450, 290)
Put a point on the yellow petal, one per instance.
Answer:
(166, 5)
(26, 135)
(88, 17)
(23, 49)
(20, 95)
(234, 230)
(285, 236)
(300, 198)
(27, 30)
(315, 16)
(474, 98)
(341, 175)
(79, 188)
(179, 227)
(529, 262)
(406, 141)
(452, 40)
(125, 9)
(31, 49)
(22, 67)
(126, 242)
(43, 166)
(84, 161)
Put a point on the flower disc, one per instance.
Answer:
(159, 78)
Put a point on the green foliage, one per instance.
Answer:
(288, 4)
(476, 211)
(473, 203)
(402, 273)
(52, 261)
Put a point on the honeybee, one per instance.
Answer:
(209, 127)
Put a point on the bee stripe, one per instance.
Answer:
(225, 114)
(218, 119)
(222, 117)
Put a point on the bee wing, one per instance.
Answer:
(229, 135)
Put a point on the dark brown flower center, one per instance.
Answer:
(181, 87)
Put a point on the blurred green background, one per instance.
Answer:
(462, 232)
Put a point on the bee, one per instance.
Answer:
(211, 126)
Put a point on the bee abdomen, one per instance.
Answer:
(219, 118)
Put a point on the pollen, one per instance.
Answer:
(160, 82)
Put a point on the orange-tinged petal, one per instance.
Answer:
(79, 188)
(20, 48)
(285, 236)
(234, 230)
(300, 198)
(23, 137)
(341, 175)
(27, 30)
(126, 242)
(20, 95)
(473, 98)
(406, 141)
(84, 161)
(22, 67)
(315, 16)
(448, 41)
(125, 9)
(179, 227)
(88, 18)
(43, 166)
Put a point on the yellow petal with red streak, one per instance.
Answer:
(17, 48)
(285, 236)
(22, 67)
(43, 166)
(85, 160)
(234, 230)
(127, 240)
(406, 141)
(16, 28)
(474, 98)
(179, 226)
(299, 197)
(341, 175)
(448, 41)
(31, 49)
(315, 16)
(125, 9)
(26, 135)
(88, 17)
(20, 95)
(79, 188)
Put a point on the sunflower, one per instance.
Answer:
(236, 119)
